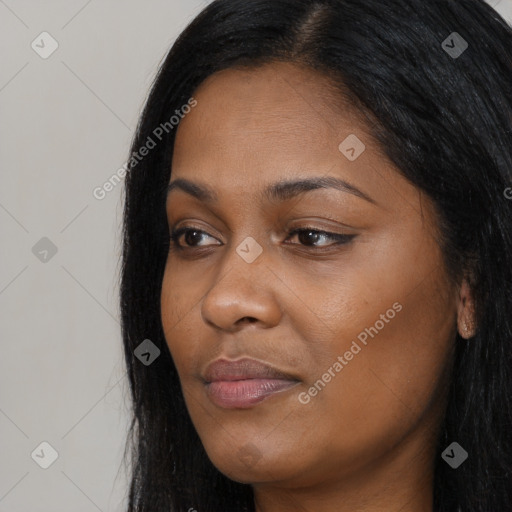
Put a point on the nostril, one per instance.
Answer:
(247, 319)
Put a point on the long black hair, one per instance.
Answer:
(443, 117)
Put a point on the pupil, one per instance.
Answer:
(309, 236)
(189, 237)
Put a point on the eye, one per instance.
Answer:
(307, 236)
(192, 236)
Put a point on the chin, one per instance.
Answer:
(248, 465)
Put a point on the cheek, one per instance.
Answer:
(179, 303)
(394, 361)
(391, 318)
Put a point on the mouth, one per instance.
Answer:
(244, 383)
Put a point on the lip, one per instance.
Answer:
(244, 383)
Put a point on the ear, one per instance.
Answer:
(466, 320)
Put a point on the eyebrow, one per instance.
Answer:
(280, 191)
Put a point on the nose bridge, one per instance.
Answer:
(248, 257)
(244, 269)
(244, 287)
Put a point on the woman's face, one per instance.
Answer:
(355, 314)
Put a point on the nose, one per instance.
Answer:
(243, 295)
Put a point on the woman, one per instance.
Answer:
(317, 262)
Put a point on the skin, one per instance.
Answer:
(365, 442)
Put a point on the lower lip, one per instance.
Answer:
(242, 394)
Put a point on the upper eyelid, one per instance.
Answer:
(289, 231)
(183, 229)
(324, 217)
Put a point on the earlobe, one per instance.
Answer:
(466, 321)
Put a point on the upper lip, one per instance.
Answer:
(242, 369)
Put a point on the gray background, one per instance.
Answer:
(66, 124)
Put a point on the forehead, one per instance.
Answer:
(255, 126)
(279, 106)
(274, 102)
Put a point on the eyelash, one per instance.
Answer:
(340, 239)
